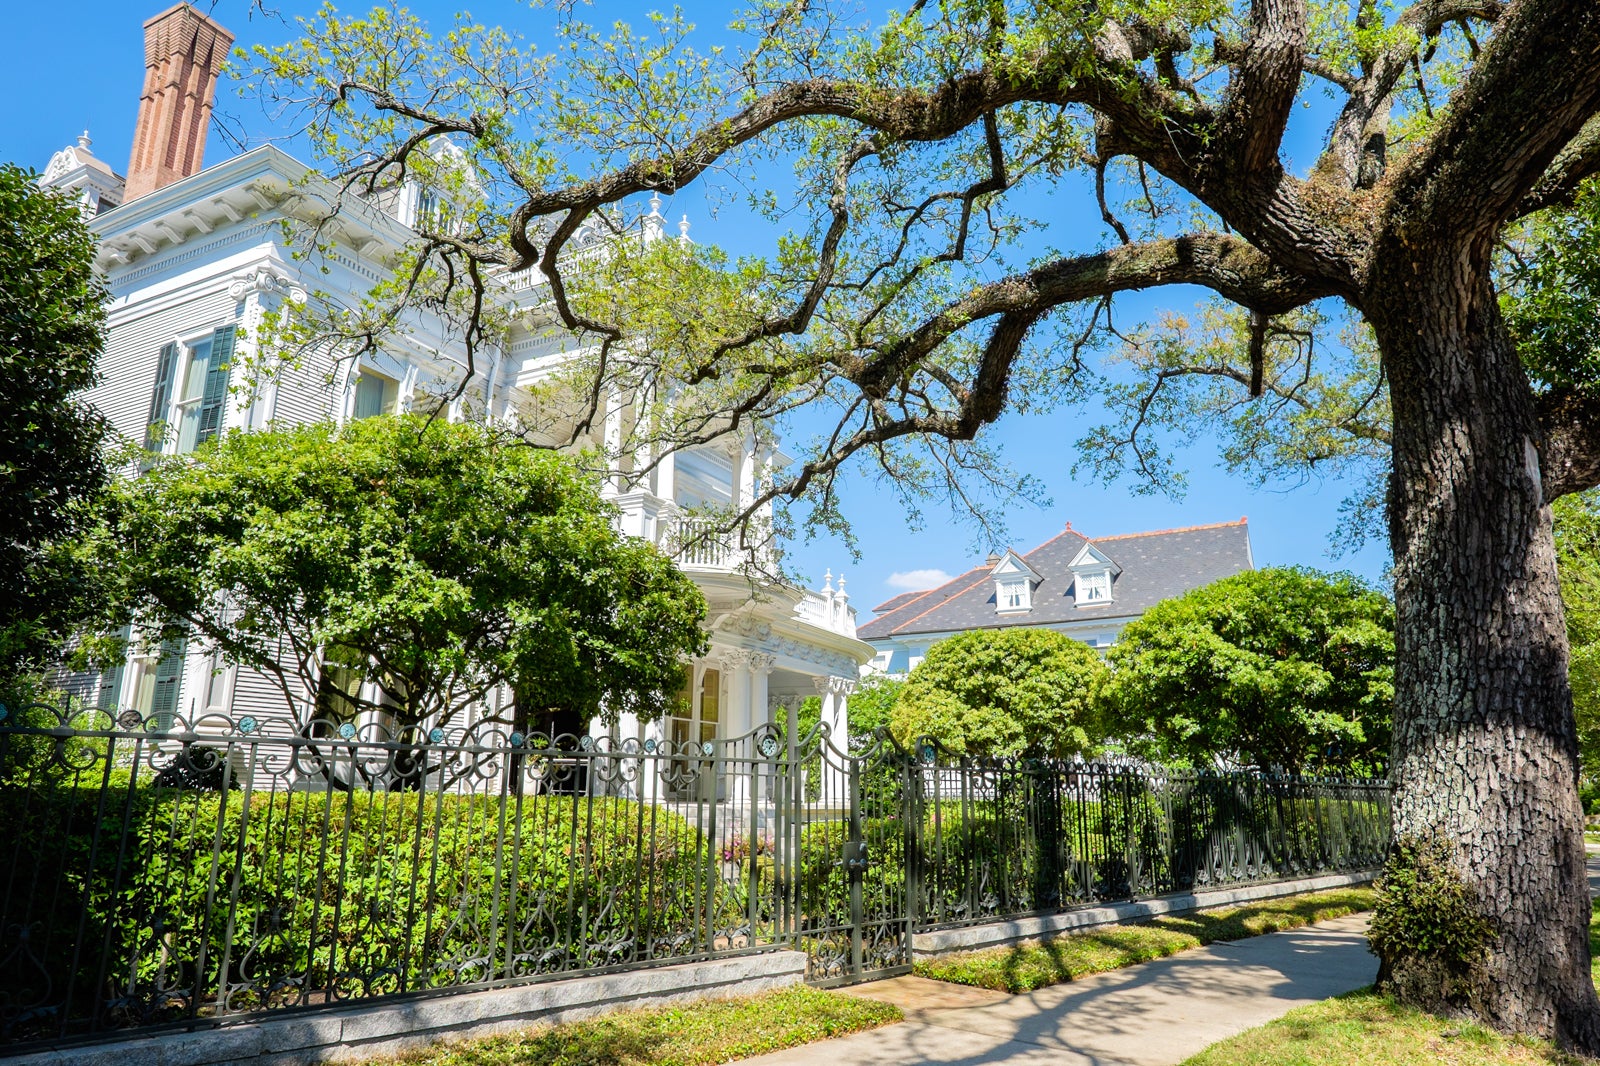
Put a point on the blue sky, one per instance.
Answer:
(76, 65)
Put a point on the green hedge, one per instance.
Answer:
(501, 888)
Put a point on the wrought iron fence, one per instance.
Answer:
(187, 872)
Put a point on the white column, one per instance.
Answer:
(246, 353)
(650, 766)
(489, 378)
(745, 474)
(667, 477)
(736, 714)
(843, 687)
(736, 722)
(627, 729)
(761, 666)
(613, 442)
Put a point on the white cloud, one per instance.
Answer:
(916, 580)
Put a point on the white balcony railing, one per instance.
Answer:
(829, 609)
(697, 544)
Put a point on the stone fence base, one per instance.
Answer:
(374, 1030)
(1016, 930)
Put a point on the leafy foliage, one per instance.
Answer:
(420, 873)
(1277, 668)
(1551, 295)
(438, 560)
(1577, 520)
(52, 463)
(1001, 692)
(1427, 929)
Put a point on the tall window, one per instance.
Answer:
(375, 395)
(191, 389)
(154, 674)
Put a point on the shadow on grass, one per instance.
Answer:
(1033, 965)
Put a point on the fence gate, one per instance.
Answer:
(851, 887)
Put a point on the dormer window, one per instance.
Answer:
(1094, 586)
(1014, 581)
(1014, 595)
(1092, 575)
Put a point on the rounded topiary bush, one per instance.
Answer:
(1002, 692)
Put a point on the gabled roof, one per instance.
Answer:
(1012, 563)
(896, 602)
(1148, 567)
(1091, 558)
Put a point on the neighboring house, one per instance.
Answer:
(194, 258)
(1087, 589)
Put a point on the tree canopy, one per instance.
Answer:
(1281, 669)
(437, 561)
(922, 289)
(1002, 692)
(52, 444)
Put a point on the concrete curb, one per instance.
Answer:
(375, 1030)
(1016, 930)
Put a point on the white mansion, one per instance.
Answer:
(193, 258)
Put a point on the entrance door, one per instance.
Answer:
(696, 723)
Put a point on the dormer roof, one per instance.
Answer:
(1012, 564)
(1091, 558)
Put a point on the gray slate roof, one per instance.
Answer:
(1154, 567)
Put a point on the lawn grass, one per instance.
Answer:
(1036, 964)
(1367, 1028)
(704, 1033)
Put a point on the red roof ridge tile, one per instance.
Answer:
(1161, 532)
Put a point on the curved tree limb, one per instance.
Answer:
(1487, 152)
(1570, 456)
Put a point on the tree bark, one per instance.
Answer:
(1485, 746)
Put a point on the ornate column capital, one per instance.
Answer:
(265, 280)
(761, 662)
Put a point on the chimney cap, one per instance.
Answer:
(196, 12)
(994, 557)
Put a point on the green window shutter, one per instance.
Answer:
(111, 679)
(161, 397)
(169, 674)
(215, 396)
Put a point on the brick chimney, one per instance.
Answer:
(182, 51)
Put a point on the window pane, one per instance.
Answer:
(710, 693)
(194, 375)
(188, 426)
(375, 395)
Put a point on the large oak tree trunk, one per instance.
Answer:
(1485, 747)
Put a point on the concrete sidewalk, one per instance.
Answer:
(1153, 1014)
